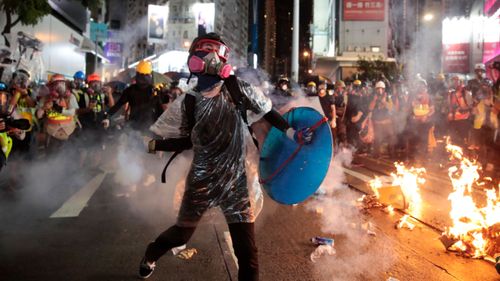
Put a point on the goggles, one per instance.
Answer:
(221, 49)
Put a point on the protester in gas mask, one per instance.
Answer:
(58, 111)
(381, 110)
(311, 89)
(282, 93)
(140, 98)
(23, 104)
(213, 119)
(485, 116)
(421, 122)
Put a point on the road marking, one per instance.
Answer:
(75, 204)
(229, 241)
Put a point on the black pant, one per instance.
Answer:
(242, 234)
(459, 131)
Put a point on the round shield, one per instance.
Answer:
(291, 174)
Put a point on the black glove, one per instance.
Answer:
(57, 108)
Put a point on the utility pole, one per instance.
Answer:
(295, 41)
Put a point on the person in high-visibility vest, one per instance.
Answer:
(422, 110)
(58, 111)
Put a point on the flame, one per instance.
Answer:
(375, 184)
(471, 224)
(410, 181)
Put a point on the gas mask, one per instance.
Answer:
(78, 83)
(95, 86)
(22, 80)
(208, 56)
(208, 63)
(60, 89)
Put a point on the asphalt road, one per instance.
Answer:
(86, 225)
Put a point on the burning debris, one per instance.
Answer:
(401, 191)
(475, 229)
(404, 222)
(187, 254)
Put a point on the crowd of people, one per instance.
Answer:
(394, 119)
(406, 118)
(72, 113)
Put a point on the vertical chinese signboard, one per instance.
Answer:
(456, 57)
(364, 10)
(456, 45)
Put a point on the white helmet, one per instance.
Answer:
(380, 84)
(480, 66)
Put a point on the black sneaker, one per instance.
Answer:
(146, 269)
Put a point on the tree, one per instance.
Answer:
(30, 12)
(373, 69)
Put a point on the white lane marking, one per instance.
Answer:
(75, 204)
(357, 175)
(229, 241)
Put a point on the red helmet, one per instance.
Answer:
(93, 77)
(57, 78)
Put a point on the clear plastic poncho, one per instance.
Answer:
(224, 171)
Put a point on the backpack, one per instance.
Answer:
(234, 90)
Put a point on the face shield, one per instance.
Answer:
(60, 88)
(21, 80)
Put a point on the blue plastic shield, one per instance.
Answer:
(305, 172)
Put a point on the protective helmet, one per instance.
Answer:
(3, 86)
(144, 67)
(283, 79)
(339, 83)
(357, 82)
(79, 75)
(204, 60)
(311, 84)
(480, 66)
(440, 77)
(93, 77)
(57, 78)
(380, 84)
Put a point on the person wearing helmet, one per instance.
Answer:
(212, 118)
(282, 93)
(311, 89)
(420, 122)
(93, 104)
(327, 103)
(58, 111)
(380, 110)
(23, 104)
(459, 113)
(141, 99)
(354, 115)
(78, 81)
(340, 97)
(485, 117)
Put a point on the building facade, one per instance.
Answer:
(185, 20)
(344, 31)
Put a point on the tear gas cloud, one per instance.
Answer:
(360, 256)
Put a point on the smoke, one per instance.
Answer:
(359, 255)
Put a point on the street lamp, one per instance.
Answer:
(306, 54)
(428, 17)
